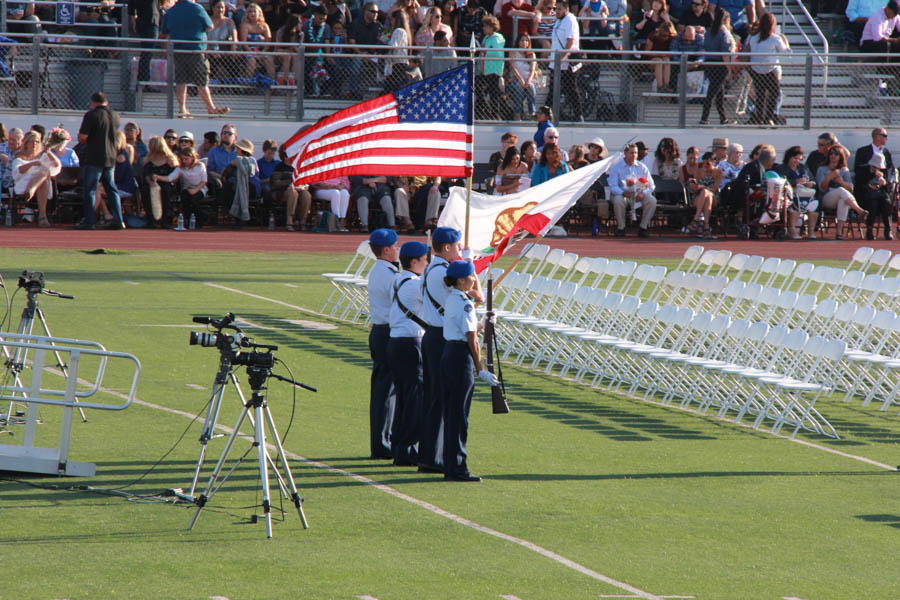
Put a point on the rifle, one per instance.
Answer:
(498, 392)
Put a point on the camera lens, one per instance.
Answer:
(207, 340)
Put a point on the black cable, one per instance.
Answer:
(8, 301)
(8, 314)
(293, 403)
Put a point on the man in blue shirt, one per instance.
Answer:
(742, 13)
(630, 182)
(218, 159)
(188, 23)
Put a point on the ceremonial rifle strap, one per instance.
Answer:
(407, 313)
(437, 306)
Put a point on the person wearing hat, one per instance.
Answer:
(720, 150)
(625, 195)
(245, 168)
(185, 140)
(596, 150)
(445, 249)
(404, 353)
(862, 172)
(383, 243)
(461, 353)
(878, 197)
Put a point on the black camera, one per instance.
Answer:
(209, 339)
(32, 281)
(259, 360)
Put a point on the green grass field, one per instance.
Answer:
(585, 494)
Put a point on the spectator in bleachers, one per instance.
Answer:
(223, 30)
(316, 32)
(704, 190)
(630, 182)
(719, 39)
(160, 161)
(863, 174)
(765, 71)
(368, 189)
(336, 191)
(31, 173)
(793, 169)
(698, 17)
(366, 31)
(470, 19)
(512, 176)
(528, 153)
(507, 141)
(244, 168)
(577, 157)
(8, 149)
(337, 13)
(185, 140)
(596, 150)
(254, 29)
(489, 95)
(210, 141)
(405, 189)
(443, 55)
(135, 138)
(666, 159)
(651, 19)
(618, 9)
(878, 36)
(858, 13)
(290, 33)
(187, 23)
(297, 199)
(741, 14)
(819, 156)
(661, 40)
(544, 118)
(546, 10)
(396, 63)
(7, 53)
(732, 164)
(835, 190)
(687, 42)
(549, 166)
(521, 85)
(171, 138)
(528, 19)
(450, 17)
(565, 43)
(551, 136)
(592, 15)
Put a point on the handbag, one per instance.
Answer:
(696, 82)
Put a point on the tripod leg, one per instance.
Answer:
(260, 438)
(59, 361)
(209, 425)
(295, 496)
(202, 500)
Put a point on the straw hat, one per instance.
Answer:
(245, 145)
(720, 143)
(598, 141)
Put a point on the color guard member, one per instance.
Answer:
(381, 280)
(405, 353)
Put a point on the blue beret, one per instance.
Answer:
(383, 237)
(446, 235)
(460, 268)
(413, 249)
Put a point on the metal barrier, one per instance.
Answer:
(296, 82)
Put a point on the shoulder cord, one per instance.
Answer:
(437, 305)
(408, 313)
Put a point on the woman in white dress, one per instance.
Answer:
(33, 169)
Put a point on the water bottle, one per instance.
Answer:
(271, 222)
(8, 216)
(595, 227)
(180, 225)
(192, 224)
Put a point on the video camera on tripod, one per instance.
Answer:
(230, 344)
(33, 283)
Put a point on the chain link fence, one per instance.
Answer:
(289, 81)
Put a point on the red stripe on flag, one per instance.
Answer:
(450, 155)
(531, 223)
(356, 109)
(398, 134)
(411, 169)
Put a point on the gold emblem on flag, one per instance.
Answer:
(507, 219)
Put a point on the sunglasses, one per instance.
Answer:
(170, 137)
(227, 133)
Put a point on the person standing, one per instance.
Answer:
(565, 42)
(461, 353)
(382, 396)
(719, 39)
(146, 27)
(98, 133)
(765, 46)
(863, 174)
(404, 351)
(187, 24)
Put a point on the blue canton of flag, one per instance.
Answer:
(445, 98)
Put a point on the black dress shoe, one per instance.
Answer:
(83, 225)
(382, 457)
(870, 235)
(430, 469)
(461, 477)
(642, 232)
(115, 226)
(620, 233)
(402, 462)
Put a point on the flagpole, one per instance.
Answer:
(472, 134)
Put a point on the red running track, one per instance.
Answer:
(262, 240)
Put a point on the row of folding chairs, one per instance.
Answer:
(349, 299)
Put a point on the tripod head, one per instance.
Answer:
(33, 284)
(230, 344)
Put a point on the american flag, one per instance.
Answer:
(424, 128)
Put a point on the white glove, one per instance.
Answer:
(485, 320)
(488, 377)
(466, 254)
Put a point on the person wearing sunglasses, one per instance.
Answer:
(367, 32)
(863, 174)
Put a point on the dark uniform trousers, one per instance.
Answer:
(431, 445)
(457, 369)
(382, 397)
(405, 356)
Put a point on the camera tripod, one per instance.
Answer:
(257, 376)
(33, 282)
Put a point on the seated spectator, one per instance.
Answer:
(432, 24)
(210, 140)
(527, 19)
(443, 56)
(660, 40)
(544, 120)
(691, 167)
(192, 174)
(222, 65)
(32, 173)
(512, 176)
(507, 140)
(596, 150)
(551, 136)
(123, 176)
(254, 29)
(291, 33)
(171, 139)
(8, 149)
(335, 190)
(835, 190)
(546, 10)
(244, 168)
(576, 157)
(802, 183)
(185, 141)
(267, 163)
(528, 153)
(732, 165)
(878, 196)
(156, 197)
(597, 25)
(689, 42)
(135, 138)
(666, 159)
(878, 34)
(651, 19)
(367, 189)
(404, 190)
(297, 199)
(704, 195)
(549, 166)
(858, 13)
(630, 183)
(221, 178)
(818, 157)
